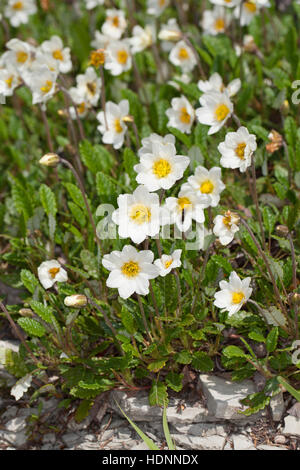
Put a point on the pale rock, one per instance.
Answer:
(71, 438)
(140, 446)
(267, 447)
(291, 426)
(242, 442)
(199, 443)
(277, 407)
(200, 429)
(16, 424)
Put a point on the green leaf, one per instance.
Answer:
(269, 219)
(202, 362)
(222, 262)
(181, 136)
(158, 395)
(174, 381)
(128, 320)
(295, 393)
(75, 193)
(48, 201)
(130, 160)
(157, 365)
(170, 443)
(77, 214)
(271, 341)
(146, 439)
(44, 312)
(83, 410)
(233, 351)
(257, 335)
(105, 184)
(183, 357)
(32, 327)
(29, 280)
(256, 401)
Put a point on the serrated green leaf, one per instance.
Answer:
(48, 200)
(158, 395)
(32, 327)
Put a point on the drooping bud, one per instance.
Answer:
(50, 159)
(169, 35)
(282, 230)
(76, 301)
(276, 141)
(26, 312)
(97, 57)
(128, 119)
(295, 298)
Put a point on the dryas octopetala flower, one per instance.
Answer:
(114, 24)
(89, 85)
(215, 83)
(42, 83)
(149, 142)
(19, 54)
(169, 33)
(225, 226)
(215, 109)
(50, 272)
(80, 106)
(215, 21)
(55, 49)
(18, 12)
(112, 125)
(166, 263)
(185, 208)
(161, 167)
(138, 215)
(156, 7)
(248, 10)
(9, 80)
(237, 149)
(233, 294)
(118, 57)
(183, 56)
(207, 183)
(181, 115)
(226, 3)
(130, 271)
(141, 38)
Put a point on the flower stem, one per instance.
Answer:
(294, 265)
(144, 317)
(255, 197)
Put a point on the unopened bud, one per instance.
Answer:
(26, 312)
(50, 159)
(276, 141)
(282, 230)
(249, 43)
(285, 107)
(295, 298)
(128, 119)
(76, 301)
(169, 35)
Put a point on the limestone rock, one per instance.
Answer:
(291, 426)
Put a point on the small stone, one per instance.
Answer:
(277, 407)
(9, 413)
(242, 442)
(291, 426)
(124, 434)
(10, 344)
(140, 446)
(71, 438)
(107, 435)
(280, 439)
(16, 424)
(267, 447)
(84, 424)
(49, 438)
(199, 443)
(200, 429)
(17, 439)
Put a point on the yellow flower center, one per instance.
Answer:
(97, 58)
(47, 87)
(130, 269)
(161, 168)
(227, 220)
(184, 202)
(161, 3)
(237, 297)
(117, 125)
(53, 272)
(122, 57)
(183, 54)
(140, 214)
(168, 263)
(9, 81)
(22, 57)
(57, 55)
(184, 116)
(221, 112)
(18, 6)
(81, 108)
(251, 7)
(91, 86)
(206, 187)
(115, 21)
(240, 150)
(220, 24)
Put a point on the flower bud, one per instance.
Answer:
(169, 35)
(275, 143)
(76, 301)
(282, 230)
(50, 159)
(295, 298)
(26, 312)
(127, 119)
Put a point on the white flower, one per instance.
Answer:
(130, 270)
(19, 55)
(156, 7)
(250, 8)
(50, 272)
(169, 33)
(115, 24)
(138, 215)
(182, 56)
(141, 38)
(208, 183)
(216, 109)
(42, 83)
(9, 80)
(21, 386)
(90, 4)
(18, 12)
(226, 3)
(233, 294)
(237, 149)
(149, 142)
(215, 21)
(184, 78)
(82, 105)
(100, 41)
(185, 208)
(166, 263)
(42, 59)
(118, 57)
(112, 126)
(225, 226)
(181, 115)
(161, 167)
(215, 83)
(89, 85)
(54, 47)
